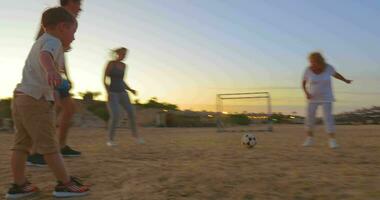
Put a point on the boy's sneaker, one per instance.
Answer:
(18, 192)
(308, 142)
(69, 152)
(333, 144)
(74, 188)
(36, 160)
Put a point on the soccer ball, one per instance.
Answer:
(248, 140)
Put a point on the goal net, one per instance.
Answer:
(244, 112)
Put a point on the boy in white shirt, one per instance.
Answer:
(33, 108)
(318, 89)
(63, 98)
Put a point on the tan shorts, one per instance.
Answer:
(34, 122)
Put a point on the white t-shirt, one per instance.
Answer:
(34, 78)
(319, 85)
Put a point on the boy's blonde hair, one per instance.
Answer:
(317, 56)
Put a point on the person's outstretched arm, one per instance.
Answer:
(340, 77)
(126, 86)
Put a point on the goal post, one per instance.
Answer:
(247, 120)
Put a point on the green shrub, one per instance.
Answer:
(5, 108)
(239, 119)
(153, 103)
(99, 109)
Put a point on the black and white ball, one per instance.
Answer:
(248, 140)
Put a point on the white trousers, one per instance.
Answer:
(328, 117)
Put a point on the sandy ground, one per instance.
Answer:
(202, 164)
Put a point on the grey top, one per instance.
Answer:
(117, 79)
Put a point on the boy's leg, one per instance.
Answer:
(34, 121)
(67, 186)
(56, 164)
(67, 110)
(39, 121)
(66, 114)
(21, 187)
(18, 160)
(22, 141)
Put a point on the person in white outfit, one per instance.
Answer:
(317, 86)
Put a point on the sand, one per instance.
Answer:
(202, 164)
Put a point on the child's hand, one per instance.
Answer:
(54, 79)
(348, 81)
(308, 95)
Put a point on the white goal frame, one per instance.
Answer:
(252, 95)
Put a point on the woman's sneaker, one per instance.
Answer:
(18, 192)
(111, 143)
(140, 141)
(74, 188)
(333, 144)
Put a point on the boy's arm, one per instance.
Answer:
(340, 77)
(46, 60)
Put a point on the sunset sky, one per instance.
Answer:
(187, 51)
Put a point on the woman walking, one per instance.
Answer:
(117, 91)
